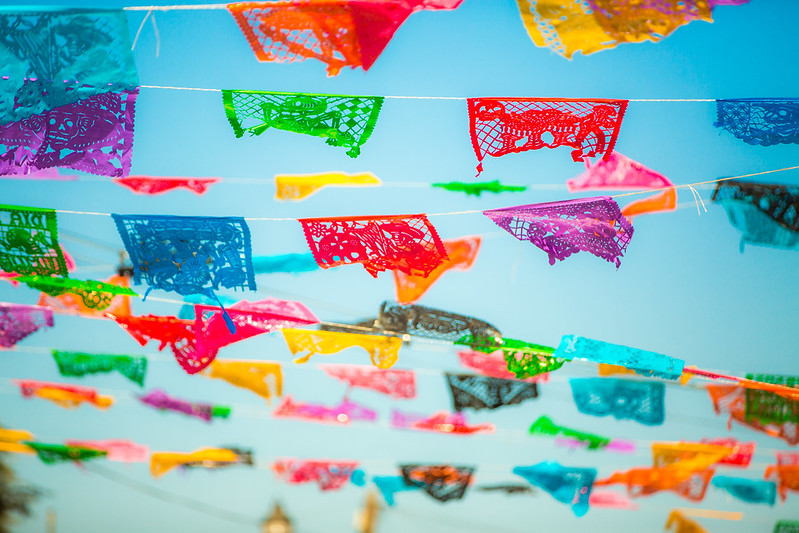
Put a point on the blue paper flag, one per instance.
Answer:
(643, 402)
(571, 486)
(748, 490)
(642, 362)
(390, 485)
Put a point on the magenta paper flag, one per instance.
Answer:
(343, 413)
(160, 184)
(494, 365)
(441, 422)
(162, 401)
(18, 321)
(123, 451)
(329, 475)
(399, 384)
(593, 225)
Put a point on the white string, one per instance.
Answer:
(157, 37)
(697, 200)
(141, 26)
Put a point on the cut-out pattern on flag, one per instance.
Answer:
(568, 485)
(160, 184)
(432, 323)
(399, 384)
(522, 359)
(760, 121)
(546, 427)
(677, 522)
(461, 254)
(688, 455)
(645, 363)
(177, 333)
(390, 485)
(29, 242)
(340, 33)
(343, 413)
(593, 225)
(93, 294)
(731, 400)
(66, 396)
(160, 400)
(58, 453)
(767, 407)
(53, 58)
(408, 243)
(123, 451)
(748, 490)
(264, 378)
(304, 343)
(642, 402)
(441, 422)
(94, 135)
(787, 477)
(786, 526)
(619, 172)
(500, 126)
(300, 187)
(19, 321)
(442, 482)
(479, 188)
(293, 263)
(741, 454)
(346, 121)
(482, 392)
(646, 481)
(329, 475)
(163, 462)
(82, 364)
(766, 214)
(493, 365)
(119, 304)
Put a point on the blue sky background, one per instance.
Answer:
(683, 289)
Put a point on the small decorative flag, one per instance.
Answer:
(461, 254)
(522, 359)
(786, 526)
(390, 485)
(766, 214)
(264, 378)
(340, 33)
(300, 187)
(81, 364)
(160, 400)
(346, 121)
(688, 455)
(119, 304)
(408, 243)
(13, 441)
(741, 454)
(787, 478)
(304, 343)
(507, 488)
(94, 135)
(343, 413)
(642, 402)
(163, 462)
(329, 475)
(58, 453)
(29, 241)
(760, 121)
(153, 185)
(500, 126)
(177, 333)
(691, 485)
(123, 451)
(478, 188)
(546, 427)
(66, 396)
(481, 392)
(568, 485)
(442, 482)
(768, 407)
(611, 500)
(293, 263)
(19, 321)
(432, 323)
(441, 422)
(243, 457)
(645, 363)
(593, 225)
(748, 490)
(399, 384)
(93, 294)
(680, 523)
(731, 399)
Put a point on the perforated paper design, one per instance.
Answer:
(19, 321)
(442, 482)
(399, 384)
(383, 350)
(568, 485)
(642, 402)
(763, 122)
(329, 475)
(29, 242)
(482, 392)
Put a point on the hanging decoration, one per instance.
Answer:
(390, 485)
(408, 243)
(767, 407)
(329, 475)
(492, 365)
(568, 485)
(66, 396)
(163, 462)
(340, 33)
(479, 188)
(787, 476)
(169, 330)
(300, 187)
(123, 451)
(645, 481)
(640, 401)
(481, 392)
(118, 305)
(760, 121)
(441, 422)
(153, 185)
(442, 482)
(766, 214)
(611, 500)
(29, 241)
(741, 454)
(731, 400)
(264, 378)
(544, 426)
(304, 343)
(680, 523)
(343, 413)
(748, 490)
(688, 455)
(645, 363)
(398, 384)
(57, 57)
(461, 254)
(786, 526)
(346, 121)
(243, 457)
(158, 399)
(500, 126)
(93, 294)
(523, 359)
(58, 453)
(619, 172)
(593, 225)
(81, 364)
(432, 323)
(18, 321)
(293, 263)
(94, 135)
(13, 441)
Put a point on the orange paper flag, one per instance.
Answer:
(163, 462)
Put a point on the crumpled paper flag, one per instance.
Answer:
(29, 241)
(82, 364)
(731, 399)
(329, 475)
(522, 359)
(645, 481)
(787, 478)
(343, 413)
(645, 363)
(568, 485)
(493, 365)
(432, 323)
(741, 454)
(478, 188)
(264, 378)
(442, 482)
(59, 453)
(300, 187)
(119, 304)
(399, 384)
(163, 462)
(18, 321)
(177, 333)
(124, 451)
(747, 490)
(160, 400)
(441, 422)
(690, 456)
(92, 293)
(66, 396)
(153, 185)
(304, 343)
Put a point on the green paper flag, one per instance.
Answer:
(524, 359)
(478, 188)
(29, 241)
(81, 364)
(95, 294)
(545, 426)
(58, 453)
